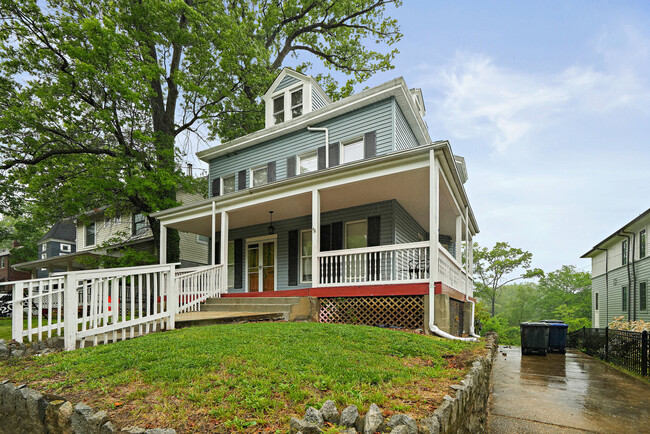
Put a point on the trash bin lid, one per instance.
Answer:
(552, 321)
(533, 324)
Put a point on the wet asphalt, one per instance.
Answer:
(564, 394)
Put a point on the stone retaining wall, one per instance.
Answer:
(25, 410)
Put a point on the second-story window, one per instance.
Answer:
(296, 103)
(259, 176)
(624, 252)
(66, 248)
(308, 162)
(352, 151)
(642, 244)
(2, 262)
(278, 109)
(139, 224)
(90, 234)
(228, 184)
(43, 247)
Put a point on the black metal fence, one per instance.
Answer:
(629, 350)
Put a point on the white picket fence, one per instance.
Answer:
(108, 305)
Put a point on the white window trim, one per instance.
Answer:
(223, 184)
(2, 262)
(200, 241)
(228, 264)
(306, 102)
(67, 248)
(302, 156)
(284, 107)
(43, 247)
(350, 142)
(345, 231)
(252, 177)
(117, 220)
(291, 106)
(302, 257)
(86, 234)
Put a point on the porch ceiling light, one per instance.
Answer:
(271, 227)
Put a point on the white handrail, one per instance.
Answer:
(386, 248)
(196, 287)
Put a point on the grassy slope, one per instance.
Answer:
(5, 328)
(249, 376)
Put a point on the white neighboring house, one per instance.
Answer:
(61, 248)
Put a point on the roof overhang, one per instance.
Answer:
(598, 247)
(410, 158)
(395, 88)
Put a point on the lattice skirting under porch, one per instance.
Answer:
(394, 311)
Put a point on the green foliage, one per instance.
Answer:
(508, 334)
(94, 95)
(27, 231)
(495, 267)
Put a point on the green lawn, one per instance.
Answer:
(5, 328)
(250, 376)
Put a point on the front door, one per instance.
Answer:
(260, 260)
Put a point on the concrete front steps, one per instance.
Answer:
(241, 309)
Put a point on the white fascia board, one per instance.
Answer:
(396, 88)
(285, 71)
(396, 162)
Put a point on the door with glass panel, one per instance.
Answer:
(260, 259)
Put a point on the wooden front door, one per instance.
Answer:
(260, 259)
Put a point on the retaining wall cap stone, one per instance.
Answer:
(349, 416)
(330, 412)
(298, 425)
(373, 420)
(402, 429)
(430, 425)
(108, 428)
(397, 420)
(314, 416)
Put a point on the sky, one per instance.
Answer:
(549, 103)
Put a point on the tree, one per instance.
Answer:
(494, 268)
(566, 295)
(96, 94)
(27, 231)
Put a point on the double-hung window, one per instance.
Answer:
(259, 176)
(90, 234)
(352, 150)
(202, 239)
(308, 162)
(642, 244)
(66, 248)
(139, 224)
(43, 247)
(2, 262)
(305, 256)
(228, 184)
(356, 234)
(231, 264)
(278, 109)
(624, 252)
(643, 296)
(296, 103)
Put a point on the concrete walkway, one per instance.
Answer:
(564, 394)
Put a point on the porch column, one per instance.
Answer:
(466, 250)
(315, 238)
(213, 255)
(433, 220)
(224, 250)
(458, 238)
(163, 243)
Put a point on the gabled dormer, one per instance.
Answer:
(292, 95)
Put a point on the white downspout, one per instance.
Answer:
(433, 244)
(472, 332)
(327, 142)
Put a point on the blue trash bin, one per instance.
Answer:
(557, 331)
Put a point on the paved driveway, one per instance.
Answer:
(566, 394)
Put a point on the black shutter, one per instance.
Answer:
(374, 231)
(369, 144)
(321, 158)
(325, 238)
(294, 249)
(217, 252)
(291, 167)
(337, 236)
(374, 235)
(239, 263)
(241, 181)
(270, 172)
(216, 187)
(334, 154)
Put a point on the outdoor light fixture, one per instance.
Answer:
(271, 227)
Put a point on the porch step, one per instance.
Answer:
(203, 318)
(271, 305)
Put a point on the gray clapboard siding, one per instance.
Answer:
(317, 101)
(375, 117)
(404, 137)
(407, 230)
(286, 82)
(383, 209)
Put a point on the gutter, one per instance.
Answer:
(631, 316)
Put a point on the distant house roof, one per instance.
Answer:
(63, 231)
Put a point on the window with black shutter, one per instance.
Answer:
(216, 187)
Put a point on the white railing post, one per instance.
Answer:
(70, 311)
(17, 312)
(315, 238)
(172, 298)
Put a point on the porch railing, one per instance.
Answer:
(195, 287)
(396, 263)
(108, 305)
(451, 273)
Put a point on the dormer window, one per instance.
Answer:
(296, 103)
(278, 109)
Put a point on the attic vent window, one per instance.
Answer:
(296, 103)
(278, 109)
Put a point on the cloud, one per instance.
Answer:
(474, 97)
